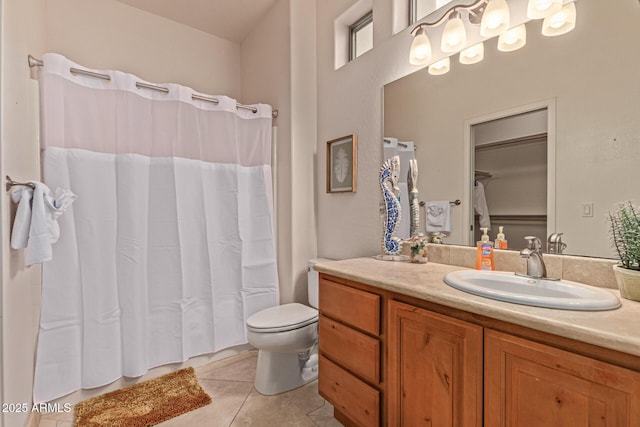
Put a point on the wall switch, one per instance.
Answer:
(586, 209)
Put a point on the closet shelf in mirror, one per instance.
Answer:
(516, 218)
(482, 174)
(539, 137)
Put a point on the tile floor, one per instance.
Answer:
(236, 403)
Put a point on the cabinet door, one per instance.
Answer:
(435, 369)
(531, 384)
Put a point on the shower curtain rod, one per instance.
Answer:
(34, 62)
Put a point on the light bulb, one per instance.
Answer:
(560, 22)
(454, 36)
(473, 54)
(513, 39)
(538, 9)
(496, 18)
(420, 53)
(440, 67)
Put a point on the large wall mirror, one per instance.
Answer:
(553, 129)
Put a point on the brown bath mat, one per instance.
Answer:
(144, 404)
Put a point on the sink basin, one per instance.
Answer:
(509, 287)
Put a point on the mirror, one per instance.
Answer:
(588, 82)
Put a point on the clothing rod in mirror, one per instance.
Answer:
(34, 62)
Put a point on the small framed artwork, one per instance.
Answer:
(342, 154)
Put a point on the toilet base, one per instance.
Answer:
(280, 372)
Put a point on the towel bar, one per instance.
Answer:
(10, 183)
(455, 202)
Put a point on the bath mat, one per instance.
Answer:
(144, 404)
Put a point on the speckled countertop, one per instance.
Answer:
(615, 329)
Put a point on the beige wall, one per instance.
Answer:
(22, 33)
(109, 34)
(350, 101)
(595, 121)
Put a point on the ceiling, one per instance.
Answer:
(228, 19)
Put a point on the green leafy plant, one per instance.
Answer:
(625, 234)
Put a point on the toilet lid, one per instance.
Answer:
(286, 316)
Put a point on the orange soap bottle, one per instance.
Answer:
(484, 254)
(501, 241)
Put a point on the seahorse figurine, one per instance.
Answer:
(414, 203)
(389, 173)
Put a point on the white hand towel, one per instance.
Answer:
(480, 205)
(438, 216)
(41, 221)
(22, 195)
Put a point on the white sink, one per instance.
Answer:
(509, 287)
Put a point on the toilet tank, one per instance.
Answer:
(313, 280)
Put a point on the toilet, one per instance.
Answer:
(286, 337)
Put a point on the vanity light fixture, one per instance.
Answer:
(560, 22)
(454, 36)
(441, 67)
(513, 39)
(420, 53)
(538, 9)
(496, 18)
(493, 17)
(473, 54)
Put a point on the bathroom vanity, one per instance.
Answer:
(400, 347)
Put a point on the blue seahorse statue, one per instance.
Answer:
(389, 174)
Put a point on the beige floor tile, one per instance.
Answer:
(227, 398)
(229, 382)
(58, 416)
(238, 368)
(323, 416)
(286, 409)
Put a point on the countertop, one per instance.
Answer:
(613, 329)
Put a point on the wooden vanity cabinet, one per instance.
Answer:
(350, 351)
(528, 384)
(435, 369)
(446, 367)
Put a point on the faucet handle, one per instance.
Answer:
(534, 242)
(555, 238)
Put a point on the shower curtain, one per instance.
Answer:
(169, 246)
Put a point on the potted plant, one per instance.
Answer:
(625, 233)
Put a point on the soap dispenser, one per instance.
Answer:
(501, 241)
(484, 254)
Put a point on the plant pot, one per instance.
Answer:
(628, 282)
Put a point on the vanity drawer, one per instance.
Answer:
(353, 350)
(349, 395)
(354, 307)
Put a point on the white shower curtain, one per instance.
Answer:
(169, 246)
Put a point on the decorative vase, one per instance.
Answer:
(628, 282)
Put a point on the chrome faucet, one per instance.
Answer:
(533, 254)
(555, 244)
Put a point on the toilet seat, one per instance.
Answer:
(282, 318)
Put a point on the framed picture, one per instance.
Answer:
(342, 154)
